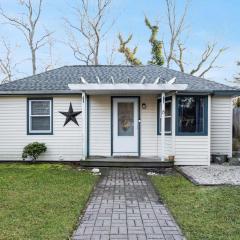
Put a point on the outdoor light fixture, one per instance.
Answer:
(144, 106)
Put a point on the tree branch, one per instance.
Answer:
(205, 55)
(7, 67)
(179, 61)
(27, 24)
(211, 64)
(128, 53)
(90, 29)
(175, 27)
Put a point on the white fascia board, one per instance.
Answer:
(128, 87)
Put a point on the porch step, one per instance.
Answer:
(126, 162)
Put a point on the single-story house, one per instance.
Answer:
(82, 112)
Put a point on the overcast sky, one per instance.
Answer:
(207, 20)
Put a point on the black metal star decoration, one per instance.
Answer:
(70, 115)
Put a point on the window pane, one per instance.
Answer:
(168, 124)
(168, 109)
(40, 123)
(200, 117)
(168, 114)
(125, 119)
(40, 107)
(191, 114)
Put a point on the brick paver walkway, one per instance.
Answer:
(124, 205)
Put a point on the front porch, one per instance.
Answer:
(137, 162)
(122, 120)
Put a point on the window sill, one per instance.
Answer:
(191, 134)
(30, 133)
(166, 134)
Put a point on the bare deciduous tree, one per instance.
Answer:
(111, 51)
(179, 61)
(85, 36)
(51, 62)
(176, 49)
(206, 62)
(7, 65)
(176, 27)
(27, 23)
(237, 77)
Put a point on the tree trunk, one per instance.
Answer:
(34, 68)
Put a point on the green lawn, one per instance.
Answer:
(41, 201)
(202, 212)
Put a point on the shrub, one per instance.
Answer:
(33, 150)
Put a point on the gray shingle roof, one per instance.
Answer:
(58, 79)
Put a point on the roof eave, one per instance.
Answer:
(231, 93)
(43, 92)
(141, 87)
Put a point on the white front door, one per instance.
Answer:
(125, 126)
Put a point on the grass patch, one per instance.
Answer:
(202, 212)
(41, 201)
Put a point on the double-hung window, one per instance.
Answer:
(192, 115)
(40, 116)
(168, 116)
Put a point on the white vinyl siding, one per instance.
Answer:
(66, 142)
(100, 125)
(192, 150)
(64, 145)
(150, 141)
(221, 125)
(149, 147)
(168, 146)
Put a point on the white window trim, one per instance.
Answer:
(166, 116)
(30, 116)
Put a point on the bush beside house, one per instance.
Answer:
(33, 151)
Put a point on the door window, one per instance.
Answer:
(125, 119)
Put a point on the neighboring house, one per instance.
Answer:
(121, 114)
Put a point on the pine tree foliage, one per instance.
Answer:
(128, 53)
(157, 46)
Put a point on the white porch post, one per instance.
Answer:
(84, 124)
(163, 125)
